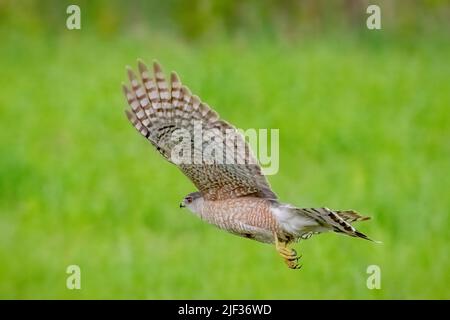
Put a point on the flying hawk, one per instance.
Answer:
(233, 196)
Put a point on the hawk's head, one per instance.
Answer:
(191, 201)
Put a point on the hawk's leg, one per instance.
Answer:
(289, 255)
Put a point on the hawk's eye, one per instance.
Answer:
(188, 199)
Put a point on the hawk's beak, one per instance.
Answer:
(182, 205)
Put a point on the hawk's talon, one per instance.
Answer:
(289, 255)
(293, 265)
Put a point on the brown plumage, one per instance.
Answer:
(233, 196)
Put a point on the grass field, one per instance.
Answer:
(364, 124)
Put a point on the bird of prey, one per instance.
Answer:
(235, 196)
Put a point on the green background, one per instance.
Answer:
(364, 123)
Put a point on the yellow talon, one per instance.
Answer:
(289, 255)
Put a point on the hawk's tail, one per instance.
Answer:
(351, 216)
(338, 221)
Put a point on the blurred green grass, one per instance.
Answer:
(364, 124)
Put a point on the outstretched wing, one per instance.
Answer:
(188, 133)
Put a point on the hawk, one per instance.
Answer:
(235, 196)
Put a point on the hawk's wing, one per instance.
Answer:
(172, 119)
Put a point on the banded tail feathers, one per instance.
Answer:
(338, 221)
